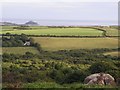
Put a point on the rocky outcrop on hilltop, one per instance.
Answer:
(31, 23)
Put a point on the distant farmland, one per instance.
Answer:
(57, 31)
(112, 32)
(19, 50)
(76, 43)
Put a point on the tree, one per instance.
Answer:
(8, 34)
(24, 37)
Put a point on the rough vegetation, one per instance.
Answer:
(55, 68)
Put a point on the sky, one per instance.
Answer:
(94, 10)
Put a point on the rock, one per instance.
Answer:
(100, 78)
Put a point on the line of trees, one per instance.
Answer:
(15, 41)
(22, 27)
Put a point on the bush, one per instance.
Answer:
(102, 67)
(114, 73)
(57, 75)
(76, 76)
(38, 46)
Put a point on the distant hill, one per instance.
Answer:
(8, 24)
(31, 23)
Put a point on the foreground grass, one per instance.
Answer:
(58, 32)
(54, 44)
(55, 85)
(19, 50)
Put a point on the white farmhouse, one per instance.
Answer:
(27, 43)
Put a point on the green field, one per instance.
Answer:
(33, 27)
(7, 28)
(110, 31)
(58, 31)
(76, 43)
(114, 53)
(19, 50)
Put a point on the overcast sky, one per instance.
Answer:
(61, 10)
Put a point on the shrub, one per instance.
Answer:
(76, 76)
(102, 67)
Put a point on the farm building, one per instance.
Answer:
(27, 43)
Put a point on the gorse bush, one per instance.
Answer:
(68, 75)
(102, 67)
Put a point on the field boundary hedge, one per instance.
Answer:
(60, 36)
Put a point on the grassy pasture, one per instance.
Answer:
(33, 27)
(58, 31)
(114, 53)
(52, 43)
(19, 50)
(111, 31)
(7, 28)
